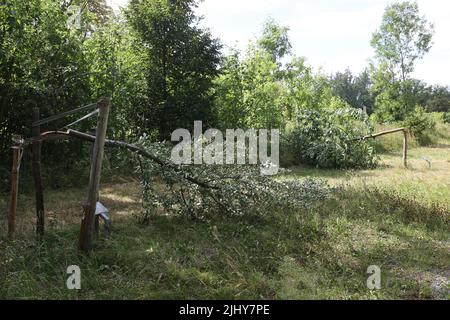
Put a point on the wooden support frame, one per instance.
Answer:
(87, 226)
(88, 222)
(61, 135)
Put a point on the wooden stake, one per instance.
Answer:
(36, 163)
(87, 225)
(405, 148)
(97, 219)
(14, 192)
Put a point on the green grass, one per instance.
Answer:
(392, 217)
(319, 254)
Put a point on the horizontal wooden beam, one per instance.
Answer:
(379, 134)
(64, 114)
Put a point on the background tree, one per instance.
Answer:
(117, 62)
(100, 9)
(182, 62)
(404, 37)
(229, 93)
(421, 91)
(439, 99)
(42, 65)
(41, 61)
(267, 86)
(92, 14)
(251, 90)
(275, 40)
(355, 90)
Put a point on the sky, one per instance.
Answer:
(331, 34)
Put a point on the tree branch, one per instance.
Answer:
(59, 135)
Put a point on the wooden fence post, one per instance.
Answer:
(97, 220)
(36, 163)
(405, 148)
(14, 191)
(87, 225)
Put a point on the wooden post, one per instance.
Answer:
(405, 148)
(97, 220)
(14, 191)
(36, 162)
(87, 225)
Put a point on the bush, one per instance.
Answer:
(446, 117)
(331, 139)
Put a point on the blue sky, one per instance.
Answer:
(330, 34)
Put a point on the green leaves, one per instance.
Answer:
(418, 121)
(354, 90)
(403, 37)
(41, 61)
(259, 90)
(117, 70)
(182, 62)
(275, 40)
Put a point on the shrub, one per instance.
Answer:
(446, 117)
(331, 139)
(418, 122)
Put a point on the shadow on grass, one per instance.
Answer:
(317, 253)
